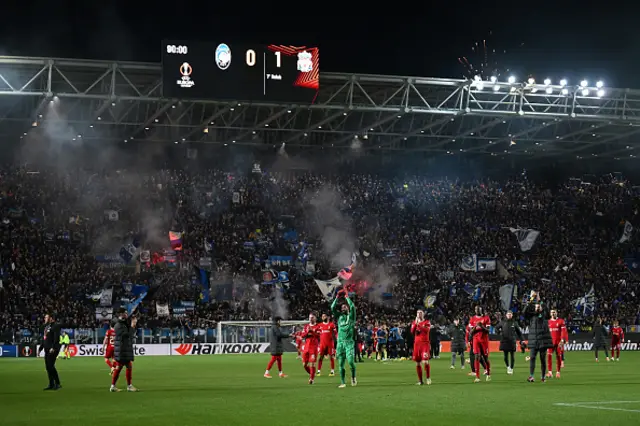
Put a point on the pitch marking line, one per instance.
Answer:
(597, 405)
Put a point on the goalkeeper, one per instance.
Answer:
(346, 319)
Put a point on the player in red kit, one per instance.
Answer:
(107, 348)
(420, 328)
(327, 330)
(479, 325)
(310, 350)
(298, 337)
(617, 337)
(559, 337)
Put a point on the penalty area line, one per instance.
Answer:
(598, 405)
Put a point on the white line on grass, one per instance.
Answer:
(597, 405)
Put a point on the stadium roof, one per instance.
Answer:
(109, 101)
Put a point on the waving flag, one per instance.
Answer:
(176, 240)
(587, 303)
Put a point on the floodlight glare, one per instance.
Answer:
(477, 78)
(534, 90)
(480, 86)
(531, 80)
(584, 83)
(549, 90)
(511, 79)
(565, 91)
(496, 88)
(494, 78)
(600, 93)
(513, 89)
(599, 84)
(547, 81)
(585, 92)
(563, 82)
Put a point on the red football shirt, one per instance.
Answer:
(475, 324)
(111, 336)
(558, 330)
(421, 331)
(617, 334)
(327, 332)
(312, 337)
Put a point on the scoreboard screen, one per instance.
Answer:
(223, 71)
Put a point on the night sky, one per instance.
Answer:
(576, 40)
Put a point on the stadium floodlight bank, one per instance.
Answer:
(251, 331)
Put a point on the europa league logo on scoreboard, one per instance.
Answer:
(186, 70)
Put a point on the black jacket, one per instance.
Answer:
(539, 334)
(457, 338)
(510, 334)
(51, 337)
(599, 335)
(123, 344)
(276, 339)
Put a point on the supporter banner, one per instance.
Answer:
(96, 350)
(27, 351)
(162, 310)
(526, 237)
(236, 197)
(179, 311)
(145, 256)
(219, 348)
(280, 260)
(104, 313)
(8, 351)
(112, 215)
(106, 297)
(110, 261)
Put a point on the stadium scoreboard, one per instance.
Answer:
(223, 71)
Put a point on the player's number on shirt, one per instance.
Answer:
(250, 57)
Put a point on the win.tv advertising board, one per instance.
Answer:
(248, 72)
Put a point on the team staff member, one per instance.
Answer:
(51, 347)
(510, 334)
(123, 349)
(457, 331)
(539, 334)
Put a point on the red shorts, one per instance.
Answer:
(309, 356)
(327, 351)
(480, 347)
(421, 351)
(555, 349)
(616, 345)
(109, 352)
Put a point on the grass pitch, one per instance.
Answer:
(230, 390)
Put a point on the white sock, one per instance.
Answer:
(266, 372)
(280, 372)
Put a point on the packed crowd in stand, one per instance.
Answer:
(409, 235)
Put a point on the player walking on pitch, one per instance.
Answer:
(310, 347)
(346, 319)
(479, 326)
(107, 348)
(327, 331)
(559, 337)
(617, 337)
(421, 328)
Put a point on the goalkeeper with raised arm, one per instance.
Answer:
(346, 319)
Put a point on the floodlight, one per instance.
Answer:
(585, 92)
(584, 83)
(477, 78)
(496, 88)
(599, 84)
(547, 81)
(563, 82)
(480, 86)
(494, 78)
(549, 90)
(600, 93)
(565, 91)
(511, 79)
(531, 80)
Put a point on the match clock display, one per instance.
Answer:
(224, 71)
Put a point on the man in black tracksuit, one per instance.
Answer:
(599, 338)
(510, 334)
(457, 332)
(434, 337)
(123, 348)
(539, 335)
(51, 347)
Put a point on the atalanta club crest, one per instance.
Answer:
(305, 62)
(223, 56)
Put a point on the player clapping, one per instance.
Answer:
(421, 328)
(559, 337)
(479, 326)
(327, 330)
(617, 337)
(310, 349)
